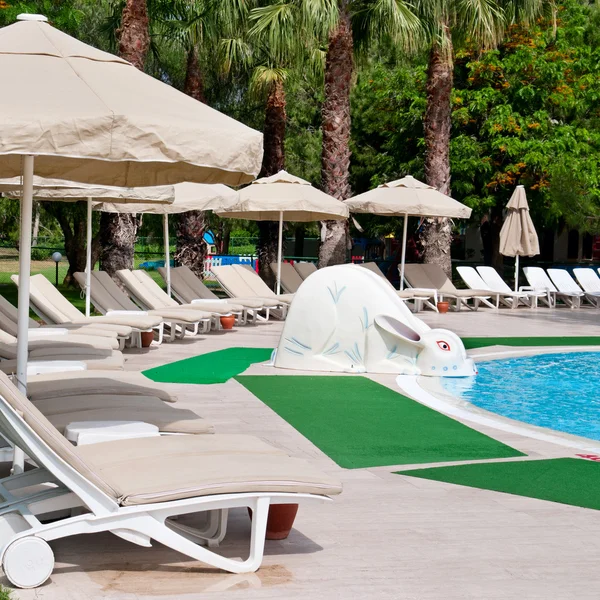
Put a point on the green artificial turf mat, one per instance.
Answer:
(214, 367)
(565, 480)
(482, 342)
(359, 423)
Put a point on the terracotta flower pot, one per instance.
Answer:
(147, 338)
(443, 307)
(227, 321)
(280, 520)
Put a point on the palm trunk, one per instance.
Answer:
(273, 162)
(119, 231)
(335, 158)
(72, 219)
(436, 237)
(191, 248)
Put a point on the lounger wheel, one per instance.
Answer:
(28, 562)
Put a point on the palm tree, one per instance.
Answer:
(118, 231)
(337, 23)
(450, 23)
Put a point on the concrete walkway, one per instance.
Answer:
(386, 536)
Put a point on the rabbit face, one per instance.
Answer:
(443, 355)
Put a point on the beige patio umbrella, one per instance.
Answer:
(188, 197)
(518, 236)
(285, 197)
(85, 115)
(70, 191)
(407, 197)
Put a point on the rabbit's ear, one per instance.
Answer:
(398, 329)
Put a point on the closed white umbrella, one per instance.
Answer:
(518, 236)
(407, 197)
(188, 197)
(285, 197)
(86, 115)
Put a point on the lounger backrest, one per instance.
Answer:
(45, 439)
(6, 336)
(538, 279)
(563, 281)
(304, 269)
(416, 276)
(438, 278)
(472, 278)
(179, 286)
(161, 298)
(135, 289)
(119, 298)
(588, 279)
(255, 283)
(290, 280)
(49, 300)
(493, 280)
(231, 282)
(195, 284)
(102, 298)
(374, 268)
(11, 315)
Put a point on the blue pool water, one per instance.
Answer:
(557, 391)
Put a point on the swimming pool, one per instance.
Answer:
(557, 391)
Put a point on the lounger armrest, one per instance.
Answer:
(528, 288)
(431, 291)
(38, 334)
(93, 432)
(38, 367)
(126, 313)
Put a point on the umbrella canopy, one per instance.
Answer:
(285, 197)
(90, 116)
(188, 196)
(266, 198)
(74, 112)
(407, 197)
(518, 236)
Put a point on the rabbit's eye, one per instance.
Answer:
(444, 345)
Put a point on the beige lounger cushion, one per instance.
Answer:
(304, 269)
(205, 466)
(290, 280)
(236, 287)
(76, 383)
(98, 363)
(432, 276)
(60, 412)
(258, 286)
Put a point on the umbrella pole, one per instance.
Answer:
(517, 273)
(403, 261)
(279, 245)
(167, 251)
(88, 259)
(23, 293)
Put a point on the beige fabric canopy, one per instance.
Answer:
(264, 199)
(518, 236)
(285, 197)
(407, 196)
(90, 116)
(187, 197)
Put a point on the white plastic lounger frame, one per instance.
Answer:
(566, 284)
(588, 279)
(27, 558)
(491, 279)
(538, 279)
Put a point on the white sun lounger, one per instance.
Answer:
(234, 283)
(428, 276)
(51, 306)
(129, 487)
(188, 289)
(588, 279)
(566, 284)
(188, 320)
(304, 269)
(491, 279)
(419, 296)
(538, 279)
